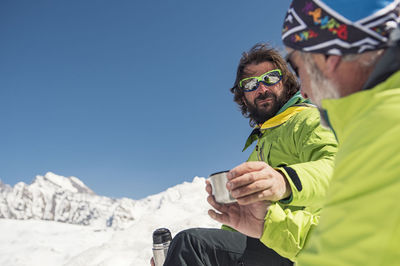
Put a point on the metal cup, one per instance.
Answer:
(218, 183)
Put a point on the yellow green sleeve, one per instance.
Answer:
(310, 180)
(285, 231)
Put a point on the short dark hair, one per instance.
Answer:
(260, 53)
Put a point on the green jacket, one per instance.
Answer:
(294, 142)
(360, 224)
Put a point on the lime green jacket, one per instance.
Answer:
(360, 222)
(294, 143)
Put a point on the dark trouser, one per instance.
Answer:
(214, 247)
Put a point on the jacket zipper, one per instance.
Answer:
(259, 151)
(258, 155)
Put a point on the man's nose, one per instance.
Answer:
(261, 88)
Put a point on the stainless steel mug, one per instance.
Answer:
(218, 183)
(161, 240)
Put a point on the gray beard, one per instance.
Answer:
(321, 88)
(329, 91)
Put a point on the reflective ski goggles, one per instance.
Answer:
(269, 78)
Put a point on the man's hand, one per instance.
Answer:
(253, 182)
(248, 219)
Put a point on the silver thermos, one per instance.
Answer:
(161, 240)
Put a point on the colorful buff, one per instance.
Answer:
(339, 27)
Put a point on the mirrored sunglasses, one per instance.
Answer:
(269, 78)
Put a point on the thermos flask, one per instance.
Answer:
(161, 240)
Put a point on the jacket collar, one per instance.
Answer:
(295, 104)
(388, 64)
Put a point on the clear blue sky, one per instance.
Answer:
(132, 97)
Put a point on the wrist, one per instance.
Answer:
(287, 193)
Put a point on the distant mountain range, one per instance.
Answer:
(64, 199)
(29, 235)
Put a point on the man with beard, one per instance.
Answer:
(347, 54)
(292, 162)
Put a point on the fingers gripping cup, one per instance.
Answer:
(218, 183)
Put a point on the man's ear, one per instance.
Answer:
(244, 101)
(332, 63)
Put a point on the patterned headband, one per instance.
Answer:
(339, 27)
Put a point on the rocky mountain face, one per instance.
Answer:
(64, 199)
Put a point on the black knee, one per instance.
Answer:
(186, 237)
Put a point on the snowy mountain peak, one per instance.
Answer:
(63, 199)
(4, 186)
(56, 182)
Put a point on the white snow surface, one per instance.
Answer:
(30, 240)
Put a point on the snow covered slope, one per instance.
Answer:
(37, 239)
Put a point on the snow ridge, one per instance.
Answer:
(67, 199)
(63, 199)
